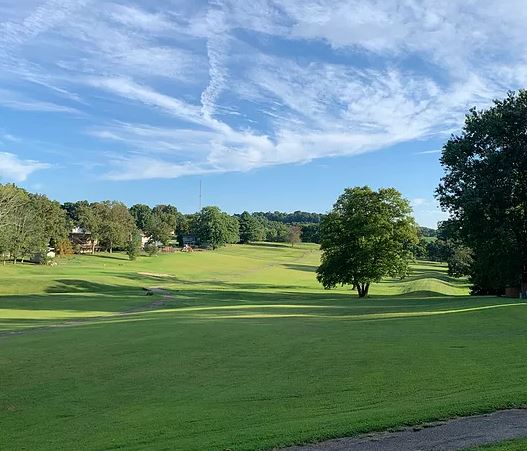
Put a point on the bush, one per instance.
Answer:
(64, 247)
(151, 249)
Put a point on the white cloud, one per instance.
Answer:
(141, 93)
(429, 152)
(231, 85)
(15, 101)
(13, 169)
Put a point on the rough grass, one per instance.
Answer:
(249, 353)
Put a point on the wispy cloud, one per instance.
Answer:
(429, 152)
(15, 101)
(14, 169)
(141, 93)
(227, 85)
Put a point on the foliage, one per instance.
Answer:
(64, 247)
(297, 217)
(485, 191)
(142, 214)
(72, 210)
(310, 233)
(367, 236)
(29, 223)
(215, 228)
(250, 228)
(294, 235)
(162, 224)
(109, 222)
(133, 249)
(427, 232)
(151, 248)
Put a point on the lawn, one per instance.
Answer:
(248, 353)
(512, 445)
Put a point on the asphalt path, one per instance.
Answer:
(455, 434)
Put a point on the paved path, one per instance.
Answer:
(455, 434)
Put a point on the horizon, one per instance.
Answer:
(274, 106)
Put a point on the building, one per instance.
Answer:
(82, 241)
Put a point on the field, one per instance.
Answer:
(243, 351)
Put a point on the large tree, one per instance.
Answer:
(215, 228)
(161, 226)
(141, 214)
(108, 222)
(485, 191)
(295, 235)
(250, 228)
(367, 236)
(29, 223)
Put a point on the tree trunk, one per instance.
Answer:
(363, 289)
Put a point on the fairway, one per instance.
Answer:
(245, 351)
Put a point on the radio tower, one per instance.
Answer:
(199, 195)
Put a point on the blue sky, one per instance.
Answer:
(274, 105)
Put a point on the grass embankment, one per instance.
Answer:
(249, 352)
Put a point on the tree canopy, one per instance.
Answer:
(250, 228)
(215, 228)
(29, 223)
(367, 236)
(485, 190)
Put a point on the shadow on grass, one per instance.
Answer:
(299, 267)
(275, 245)
(159, 280)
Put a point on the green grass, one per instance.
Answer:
(249, 353)
(511, 445)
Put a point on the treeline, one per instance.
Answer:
(440, 246)
(31, 224)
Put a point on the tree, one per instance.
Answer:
(250, 228)
(295, 232)
(215, 228)
(54, 217)
(72, 210)
(117, 224)
(485, 190)
(134, 245)
(367, 236)
(90, 220)
(162, 223)
(141, 214)
(311, 233)
(108, 222)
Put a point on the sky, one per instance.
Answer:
(271, 105)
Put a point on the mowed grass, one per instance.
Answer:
(248, 353)
(510, 445)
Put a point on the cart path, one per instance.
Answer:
(455, 434)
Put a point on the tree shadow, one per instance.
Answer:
(300, 267)
(272, 245)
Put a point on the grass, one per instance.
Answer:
(510, 445)
(249, 353)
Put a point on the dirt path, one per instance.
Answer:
(455, 434)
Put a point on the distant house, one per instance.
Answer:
(144, 240)
(82, 241)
